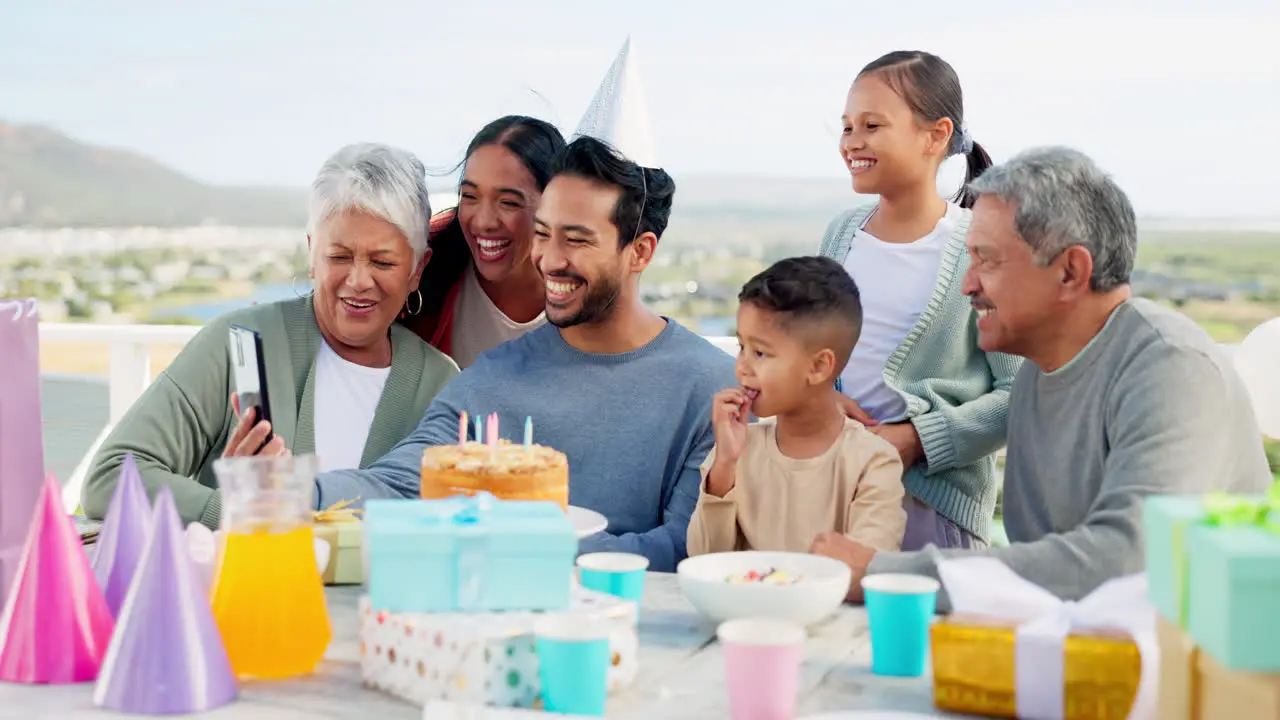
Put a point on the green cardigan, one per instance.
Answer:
(181, 424)
(957, 395)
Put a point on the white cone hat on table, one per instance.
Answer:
(619, 112)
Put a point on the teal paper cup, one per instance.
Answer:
(573, 663)
(615, 573)
(899, 611)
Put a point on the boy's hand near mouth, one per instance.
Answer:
(730, 411)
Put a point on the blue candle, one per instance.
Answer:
(479, 429)
(528, 434)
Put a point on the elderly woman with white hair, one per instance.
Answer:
(345, 380)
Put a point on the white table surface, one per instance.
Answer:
(681, 674)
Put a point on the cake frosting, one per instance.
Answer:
(508, 471)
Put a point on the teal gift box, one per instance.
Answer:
(1165, 521)
(468, 554)
(1234, 593)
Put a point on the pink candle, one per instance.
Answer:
(492, 431)
(462, 428)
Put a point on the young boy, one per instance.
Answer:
(779, 485)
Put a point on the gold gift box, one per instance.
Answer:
(974, 670)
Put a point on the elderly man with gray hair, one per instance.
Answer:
(343, 376)
(1121, 397)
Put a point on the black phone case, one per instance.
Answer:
(263, 408)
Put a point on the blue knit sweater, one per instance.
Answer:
(636, 427)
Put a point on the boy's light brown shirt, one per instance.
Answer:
(780, 503)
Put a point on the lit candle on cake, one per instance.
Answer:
(528, 434)
(491, 433)
(462, 429)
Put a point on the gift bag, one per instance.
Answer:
(21, 440)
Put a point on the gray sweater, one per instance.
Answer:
(1151, 405)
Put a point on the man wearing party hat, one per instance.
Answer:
(624, 393)
(619, 113)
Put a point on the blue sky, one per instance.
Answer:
(1180, 102)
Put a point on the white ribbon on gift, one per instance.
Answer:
(986, 586)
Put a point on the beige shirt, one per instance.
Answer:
(781, 503)
(478, 324)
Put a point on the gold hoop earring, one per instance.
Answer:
(408, 305)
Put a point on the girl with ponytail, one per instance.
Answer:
(917, 376)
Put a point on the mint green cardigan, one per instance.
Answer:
(957, 395)
(181, 423)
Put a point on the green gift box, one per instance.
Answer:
(1170, 521)
(346, 552)
(1233, 582)
(343, 530)
(1165, 521)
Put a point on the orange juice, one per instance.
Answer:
(268, 600)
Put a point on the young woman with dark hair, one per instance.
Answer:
(480, 288)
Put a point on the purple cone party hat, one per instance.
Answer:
(619, 113)
(123, 534)
(166, 656)
(56, 625)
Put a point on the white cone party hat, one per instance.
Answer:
(619, 114)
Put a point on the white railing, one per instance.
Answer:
(128, 374)
(129, 353)
(129, 370)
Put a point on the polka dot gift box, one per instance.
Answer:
(486, 658)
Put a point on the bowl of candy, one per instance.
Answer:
(798, 587)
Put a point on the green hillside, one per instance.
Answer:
(50, 180)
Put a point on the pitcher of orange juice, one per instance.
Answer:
(268, 596)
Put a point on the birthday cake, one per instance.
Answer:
(508, 471)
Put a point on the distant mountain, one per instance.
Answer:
(50, 180)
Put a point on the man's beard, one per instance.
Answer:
(598, 305)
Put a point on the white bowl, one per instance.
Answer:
(809, 600)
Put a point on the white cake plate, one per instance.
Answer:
(587, 522)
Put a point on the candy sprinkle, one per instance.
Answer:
(772, 576)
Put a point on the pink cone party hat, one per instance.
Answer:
(123, 534)
(56, 625)
(166, 656)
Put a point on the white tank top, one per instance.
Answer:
(895, 281)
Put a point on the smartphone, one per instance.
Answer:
(250, 374)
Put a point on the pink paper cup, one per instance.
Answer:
(762, 667)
